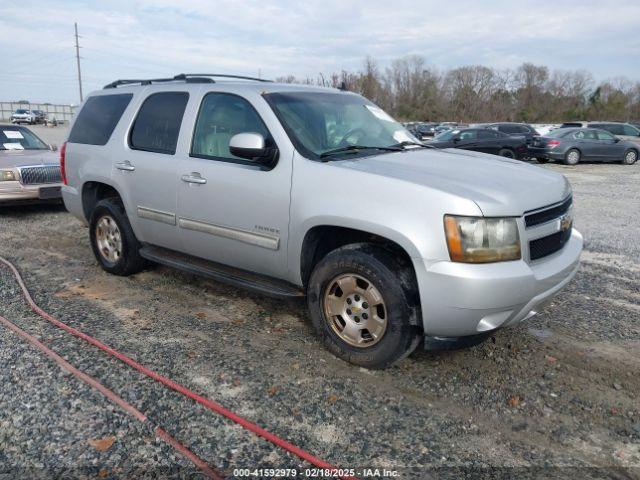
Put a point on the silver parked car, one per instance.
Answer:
(29, 169)
(296, 190)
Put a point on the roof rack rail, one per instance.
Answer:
(186, 77)
(149, 81)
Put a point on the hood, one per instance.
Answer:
(23, 158)
(499, 186)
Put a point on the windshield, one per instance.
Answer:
(18, 138)
(319, 122)
(446, 135)
(21, 110)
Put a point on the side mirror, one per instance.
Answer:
(250, 146)
(616, 140)
(456, 139)
(53, 147)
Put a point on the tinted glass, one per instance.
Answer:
(487, 134)
(446, 135)
(468, 134)
(509, 128)
(629, 130)
(157, 125)
(221, 117)
(602, 135)
(98, 118)
(18, 138)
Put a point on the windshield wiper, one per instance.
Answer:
(408, 143)
(356, 148)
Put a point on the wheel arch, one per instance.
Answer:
(93, 192)
(319, 240)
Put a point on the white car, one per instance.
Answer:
(23, 115)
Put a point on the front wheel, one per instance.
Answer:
(630, 157)
(114, 244)
(363, 306)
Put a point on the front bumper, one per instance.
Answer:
(461, 299)
(15, 192)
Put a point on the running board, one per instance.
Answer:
(222, 273)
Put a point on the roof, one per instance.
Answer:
(197, 80)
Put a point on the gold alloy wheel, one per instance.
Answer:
(109, 239)
(355, 310)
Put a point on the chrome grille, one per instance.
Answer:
(547, 214)
(40, 174)
(554, 235)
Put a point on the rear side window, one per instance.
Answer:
(603, 135)
(98, 118)
(509, 128)
(157, 125)
(487, 134)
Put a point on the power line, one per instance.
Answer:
(78, 61)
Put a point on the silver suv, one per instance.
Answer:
(296, 190)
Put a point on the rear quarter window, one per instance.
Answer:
(98, 118)
(157, 125)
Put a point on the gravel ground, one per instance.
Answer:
(546, 398)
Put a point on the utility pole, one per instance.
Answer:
(78, 61)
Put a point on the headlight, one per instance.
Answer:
(7, 176)
(482, 240)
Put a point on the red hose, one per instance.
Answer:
(211, 405)
(122, 403)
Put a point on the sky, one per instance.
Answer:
(160, 38)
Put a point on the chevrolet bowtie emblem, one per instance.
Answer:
(565, 222)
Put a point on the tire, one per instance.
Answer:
(109, 213)
(572, 157)
(542, 160)
(370, 266)
(507, 153)
(630, 157)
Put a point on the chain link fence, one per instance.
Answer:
(62, 113)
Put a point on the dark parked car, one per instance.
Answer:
(40, 116)
(425, 129)
(442, 128)
(482, 140)
(570, 145)
(515, 130)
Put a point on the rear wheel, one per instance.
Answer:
(363, 306)
(630, 157)
(507, 152)
(114, 244)
(572, 157)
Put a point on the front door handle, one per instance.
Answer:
(194, 177)
(126, 166)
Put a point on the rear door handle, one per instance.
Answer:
(194, 177)
(126, 166)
